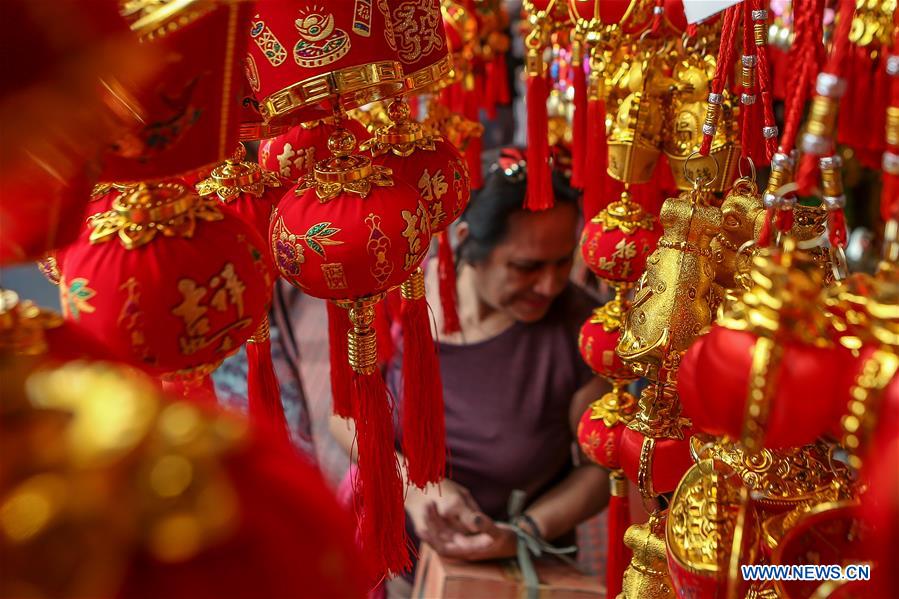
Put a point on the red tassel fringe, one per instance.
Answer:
(579, 127)
(619, 554)
(263, 391)
(596, 178)
(539, 186)
(382, 322)
(383, 517)
(446, 279)
(341, 373)
(424, 429)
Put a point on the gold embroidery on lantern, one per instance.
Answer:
(432, 188)
(362, 18)
(131, 318)
(288, 251)
(225, 290)
(252, 72)
(389, 33)
(416, 30)
(302, 160)
(416, 227)
(320, 42)
(74, 298)
(378, 245)
(334, 275)
(268, 44)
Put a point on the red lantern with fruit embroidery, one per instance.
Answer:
(167, 280)
(293, 153)
(348, 234)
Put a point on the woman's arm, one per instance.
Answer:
(585, 491)
(344, 432)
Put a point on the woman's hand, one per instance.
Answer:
(447, 517)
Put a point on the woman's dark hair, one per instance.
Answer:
(502, 195)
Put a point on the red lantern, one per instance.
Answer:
(349, 234)
(193, 108)
(167, 279)
(617, 241)
(656, 465)
(421, 43)
(293, 153)
(310, 57)
(244, 189)
(597, 341)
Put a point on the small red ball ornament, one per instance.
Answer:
(656, 465)
(167, 280)
(617, 241)
(598, 338)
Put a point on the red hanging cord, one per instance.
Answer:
(889, 199)
(723, 69)
(763, 72)
(749, 113)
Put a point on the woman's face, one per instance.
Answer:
(528, 269)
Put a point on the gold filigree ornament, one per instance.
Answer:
(625, 215)
(22, 325)
(646, 577)
(235, 176)
(615, 406)
(711, 529)
(402, 136)
(136, 217)
(345, 172)
(119, 470)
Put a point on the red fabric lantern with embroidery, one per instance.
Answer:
(349, 233)
(420, 42)
(167, 279)
(617, 241)
(293, 153)
(597, 341)
(244, 189)
(193, 109)
(804, 374)
(310, 56)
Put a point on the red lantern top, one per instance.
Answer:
(420, 42)
(350, 231)
(310, 56)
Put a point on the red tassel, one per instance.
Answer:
(424, 430)
(836, 226)
(341, 374)
(618, 522)
(446, 277)
(473, 158)
(596, 192)
(767, 225)
(263, 391)
(382, 329)
(383, 517)
(807, 174)
(539, 186)
(200, 390)
(500, 79)
(579, 126)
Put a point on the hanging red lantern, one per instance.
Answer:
(193, 108)
(421, 43)
(293, 153)
(167, 279)
(348, 234)
(769, 360)
(617, 241)
(656, 465)
(309, 58)
(245, 189)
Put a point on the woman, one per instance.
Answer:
(514, 383)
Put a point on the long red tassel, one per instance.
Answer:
(596, 191)
(500, 79)
(263, 391)
(341, 374)
(539, 187)
(618, 522)
(382, 328)
(579, 126)
(446, 279)
(424, 429)
(383, 517)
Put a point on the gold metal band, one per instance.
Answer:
(765, 354)
(644, 471)
(413, 288)
(432, 75)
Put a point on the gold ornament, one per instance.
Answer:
(234, 177)
(401, 135)
(344, 172)
(646, 577)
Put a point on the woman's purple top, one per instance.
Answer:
(507, 405)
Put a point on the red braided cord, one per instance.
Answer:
(837, 62)
(748, 112)
(763, 72)
(808, 16)
(724, 64)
